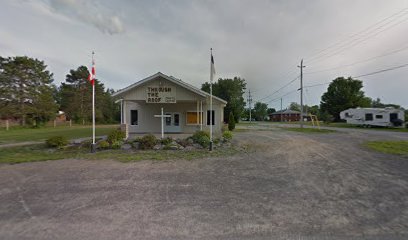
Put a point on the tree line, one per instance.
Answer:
(29, 95)
(342, 93)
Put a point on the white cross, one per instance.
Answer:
(162, 116)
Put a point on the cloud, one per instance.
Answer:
(89, 12)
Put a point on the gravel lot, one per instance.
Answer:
(287, 185)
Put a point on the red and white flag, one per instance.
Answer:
(92, 74)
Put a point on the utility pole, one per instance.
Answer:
(250, 102)
(281, 112)
(301, 93)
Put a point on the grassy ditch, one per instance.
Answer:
(40, 152)
(390, 147)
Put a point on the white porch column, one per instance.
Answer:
(124, 112)
(121, 111)
(202, 115)
(198, 114)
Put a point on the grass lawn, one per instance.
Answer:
(391, 147)
(309, 130)
(40, 134)
(39, 152)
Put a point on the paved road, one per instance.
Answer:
(285, 186)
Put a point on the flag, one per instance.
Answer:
(92, 74)
(212, 68)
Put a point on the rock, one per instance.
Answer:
(77, 141)
(197, 146)
(189, 148)
(126, 146)
(173, 147)
(136, 145)
(190, 141)
(180, 147)
(157, 147)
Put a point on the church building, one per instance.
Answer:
(161, 100)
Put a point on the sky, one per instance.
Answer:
(261, 41)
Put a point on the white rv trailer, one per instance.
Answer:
(384, 117)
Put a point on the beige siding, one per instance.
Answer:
(186, 100)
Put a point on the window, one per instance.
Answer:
(369, 117)
(168, 119)
(191, 118)
(176, 119)
(379, 116)
(208, 117)
(134, 117)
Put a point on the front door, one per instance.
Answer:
(172, 124)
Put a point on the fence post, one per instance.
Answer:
(70, 123)
(7, 125)
(55, 123)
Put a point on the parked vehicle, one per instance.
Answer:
(383, 117)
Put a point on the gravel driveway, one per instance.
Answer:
(286, 185)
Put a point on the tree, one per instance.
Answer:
(232, 91)
(271, 110)
(231, 122)
(294, 106)
(260, 111)
(26, 90)
(342, 94)
(75, 97)
(378, 104)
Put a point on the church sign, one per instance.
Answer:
(162, 94)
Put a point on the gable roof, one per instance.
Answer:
(171, 79)
(286, 111)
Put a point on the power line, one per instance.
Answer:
(364, 34)
(361, 61)
(383, 70)
(358, 42)
(364, 75)
(270, 95)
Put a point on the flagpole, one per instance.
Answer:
(93, 149)
(211, 106)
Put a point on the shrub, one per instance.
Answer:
(148, 141)
(227, 135)
(199, 134)
(116, 135)
(103, 144)
(224, 128)
(231, 122)
(86, 144)
(116, 144)
(202, 138)
(167, 141)
(57, 142)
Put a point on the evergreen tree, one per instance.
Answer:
(231, 122)
(26, 90)
(75, 97)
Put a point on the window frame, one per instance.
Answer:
(368, 119)
(194, 112)
(208, 117)
(131, 116)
